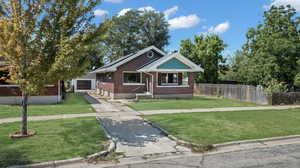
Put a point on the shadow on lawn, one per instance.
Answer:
(133, 132)
(10, 157)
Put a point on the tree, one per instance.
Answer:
(273, 48)
(45, 41)
(134, 31)
(206, 50)
(236, 68)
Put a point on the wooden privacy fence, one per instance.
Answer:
(246, 93)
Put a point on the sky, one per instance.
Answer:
(231, 19)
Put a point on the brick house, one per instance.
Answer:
(10, 93)
(148, 72)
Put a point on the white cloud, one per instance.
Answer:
(184, 22)
(124, 11)
(100, 12)
(170, 11)
(293, 3)
(146, 8)
(220, 28)
(114, 1)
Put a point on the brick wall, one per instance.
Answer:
(132, 65)
(15, 91)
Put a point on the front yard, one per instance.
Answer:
(194, 103)
(74, 104)
(55, 140)
(219, 127)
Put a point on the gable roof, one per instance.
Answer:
(156, 66)
(112, 67)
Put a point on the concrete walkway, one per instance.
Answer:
(50, 117)
(134, 137)
(150, 112)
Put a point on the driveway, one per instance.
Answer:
(134, 137)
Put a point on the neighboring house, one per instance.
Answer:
(147, 72)
(85, 83)
(10, 93)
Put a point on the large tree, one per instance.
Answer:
(134, 31)
(273, 47)
(236, 68)
(206, 50)
(45, 41)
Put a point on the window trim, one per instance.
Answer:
(167, 83)
(125, 83)
(178, 86)
(150, 54)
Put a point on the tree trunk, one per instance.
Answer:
(24, 130)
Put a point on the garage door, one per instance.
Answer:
(84, 85)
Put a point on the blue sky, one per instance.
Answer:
(231, 19)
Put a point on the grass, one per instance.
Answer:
(196, 102)
(74, 104)
(219, 127)
(55, 140)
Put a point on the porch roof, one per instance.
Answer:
(172, 63)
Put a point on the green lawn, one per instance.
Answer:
(55, 140)
(196, 102)
(219, 127)
(74, 104)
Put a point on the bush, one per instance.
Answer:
(274, 86)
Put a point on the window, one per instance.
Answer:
(150, 54)
(180, 79)
(185, 78)
(169, 78)
(132, 77)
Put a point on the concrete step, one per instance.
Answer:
(143, 96)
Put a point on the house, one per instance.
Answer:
(10, 93)
(85, 83)
(147, 72)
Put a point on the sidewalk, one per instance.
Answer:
(150, 112)
(50, 117)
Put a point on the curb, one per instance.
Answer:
(111, 148)
(235, 143)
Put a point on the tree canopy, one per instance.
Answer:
(205, 50)
(46, 41)
(134, 31)
(273, 48)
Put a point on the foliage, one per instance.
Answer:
(236, 71)
(297, 80)
(273, 86)
(134, 31)
(273, 48)
(205, 50)
(45, 41)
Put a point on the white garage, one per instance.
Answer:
(85, 83)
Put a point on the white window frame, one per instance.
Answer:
(167, 83)
(157, 85)
(141, 80)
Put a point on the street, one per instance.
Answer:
(285, 156)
